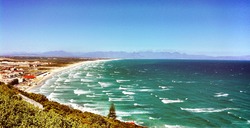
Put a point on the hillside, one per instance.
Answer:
(15, 112)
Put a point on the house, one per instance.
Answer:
(29, 76)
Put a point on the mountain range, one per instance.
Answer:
(129, 55)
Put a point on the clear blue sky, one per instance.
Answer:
(212, 27)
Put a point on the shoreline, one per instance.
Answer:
(57, 70)
(53, 72)
(61, 69)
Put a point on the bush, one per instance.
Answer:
(14, 82)
(18, 113)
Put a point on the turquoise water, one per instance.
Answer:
(159, 93)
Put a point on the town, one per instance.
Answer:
(20, 73)
(23, 72)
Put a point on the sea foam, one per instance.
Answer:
(77, 75)
(120, 99)
(80, 92)
(104, 84)
(152, 118)
(221, 94)
(89, 75)
(167, 101)
(122, 88)
(72, 100)
(60, 79)
(163, 87)
(92, 96)
(83, 109)
(207, 110)
(146, 90)
(67, 81)
(53, 95)
(128, 93)
(122, 81)
(86, 80)
(174, 126)
(121, 113)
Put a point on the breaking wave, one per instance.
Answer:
(122, 81)
(105, 84)
(221, 94)
(207, 110)
(81, 92)
(167, 101)
(128, 93)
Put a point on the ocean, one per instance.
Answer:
(158, 93)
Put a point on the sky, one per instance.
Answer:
(208, 27)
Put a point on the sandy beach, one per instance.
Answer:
(40, 81)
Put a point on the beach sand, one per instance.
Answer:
(40, 81)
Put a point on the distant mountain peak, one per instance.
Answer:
(130, 55)
(59, 53)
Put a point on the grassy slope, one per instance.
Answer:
(14, 112)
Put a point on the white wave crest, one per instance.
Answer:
(122, 88)
(180, 82)
(70, 75)
(139, 112)
(146, 90)
(105, 91)
(91, 96)
(77, 75)
(135, 104)
(109, 94)
(60, 79)
(221, 94)
(163, 87)
(83, 109)
(174, 126)
(128, 93)
(89, 75)
(64, 87)
(86, 80)
(122, 81)
(80, 92)
(67, 80)
(120, 113)
(56, 83)
(104, 84)
(53, 95)
(139, 105)
(120, 99)
(243, 91)
(152, 118)
(76, 106)
(207, 110)
(72, 100)
(90, 105)
(129, 113)
(167, 101)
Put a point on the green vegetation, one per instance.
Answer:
(13, 82)
(15, 112)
